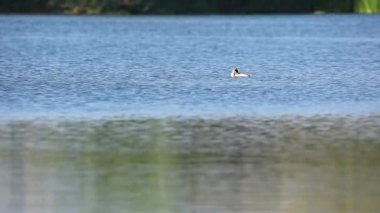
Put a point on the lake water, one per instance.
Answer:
(56, 65)
(139, 114)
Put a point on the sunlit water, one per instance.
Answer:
(139, 114)
(52, 65)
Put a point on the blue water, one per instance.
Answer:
(172, 72)
(170, 65)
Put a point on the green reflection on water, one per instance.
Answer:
(192, 165)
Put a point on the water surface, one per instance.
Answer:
(283, 164)
(170, 65)
(139, 114)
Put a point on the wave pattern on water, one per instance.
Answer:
(179, 65)
(169, 165)
(236, 138)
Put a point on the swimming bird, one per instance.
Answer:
(236, 73)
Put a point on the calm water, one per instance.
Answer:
(180, 65)
(139, 114)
